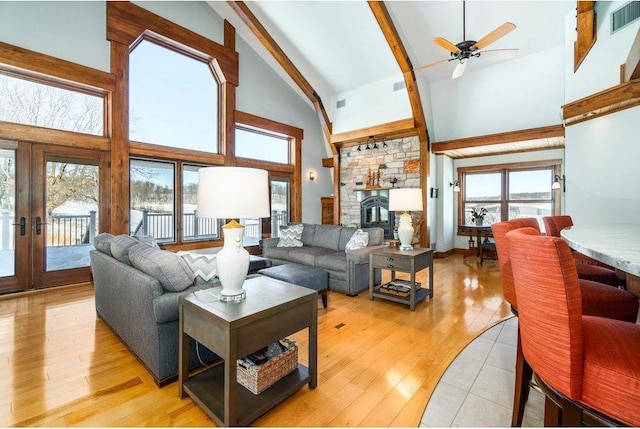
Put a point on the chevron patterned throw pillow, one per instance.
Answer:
(291, 236)
(358, 240)
(204, 266)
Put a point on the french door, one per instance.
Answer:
(50, 210)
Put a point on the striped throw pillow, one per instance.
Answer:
(204, 266)
(358, 240)
(291, 236)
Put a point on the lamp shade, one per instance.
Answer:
(405, 199)
(233, 192)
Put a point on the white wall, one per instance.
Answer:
(370, 105)
(76, 32)
(602, 171)
(602, 154)
(601, 68)
(262, 92)
(72, 31)
(443, 230)
(512, 95)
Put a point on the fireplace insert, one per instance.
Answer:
(374, 212)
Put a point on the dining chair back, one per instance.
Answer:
(554, 224)
(550, 322)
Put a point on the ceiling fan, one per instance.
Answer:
(467, 49)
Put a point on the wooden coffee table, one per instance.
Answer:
(272, 310)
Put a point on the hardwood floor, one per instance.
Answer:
(61, 366)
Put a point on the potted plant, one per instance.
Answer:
(477, 215)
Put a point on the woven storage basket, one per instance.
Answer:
(257, 378)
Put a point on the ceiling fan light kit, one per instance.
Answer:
(467, 49)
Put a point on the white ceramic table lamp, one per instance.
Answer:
(405, 200)
(232, 193)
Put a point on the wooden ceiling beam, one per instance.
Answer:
(400, 53)
(387, 131)
(610, 100)
(631, 67)
(285, 62)
(390, 33)
(440, 148)
(586, 31)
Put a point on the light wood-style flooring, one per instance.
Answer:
(61, 366)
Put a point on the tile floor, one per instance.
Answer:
(477, 388)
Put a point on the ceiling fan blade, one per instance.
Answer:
(444, 43)
(437, 63)
(498, 54)
(459, 70)
(494, 35)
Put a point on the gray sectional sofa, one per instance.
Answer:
(324, 247)
(141, 312)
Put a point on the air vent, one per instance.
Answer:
(341, 103)
(625, 15)
(398, 86)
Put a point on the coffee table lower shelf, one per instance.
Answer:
(207, 390)
(421, 294)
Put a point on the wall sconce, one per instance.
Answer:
(556, 182)
(433, 192)
(456, 186)
(312, 175)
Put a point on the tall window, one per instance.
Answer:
(508, 192)
(193, 226)
(152, 199)
(42, 105)
(173, 99)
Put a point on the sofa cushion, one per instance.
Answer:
(308, 233)
(281, 253)
(203, 266)
(345, 236)
(169, 268)
(102, 243)
(376, 236)
(336, 261)
(307, 255)
(359, 240)
(290, 236)
(120, 246)
(327, 236)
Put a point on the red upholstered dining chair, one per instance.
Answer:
(588, 268)
(597, 299)
(587, 366)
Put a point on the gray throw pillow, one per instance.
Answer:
(290, 236)
(171, 271)
(102, 243)
(358, 240)
(203, 266)
(120, 246)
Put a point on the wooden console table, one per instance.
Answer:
(273, 309)
(409, 261)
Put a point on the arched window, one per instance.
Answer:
(173, 99)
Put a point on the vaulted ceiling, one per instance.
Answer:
(338, 45)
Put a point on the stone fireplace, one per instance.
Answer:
(399, 160)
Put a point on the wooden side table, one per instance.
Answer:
(409, 261)
(272, 310)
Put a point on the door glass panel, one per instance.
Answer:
(7, 212)
(152, 199)
(71, 214)
(194, 227)
(279, 205)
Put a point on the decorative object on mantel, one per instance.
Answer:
(232, 193)
(373, 178)
(405, 199)
(412, 166)
(393, 181)
(477, 215)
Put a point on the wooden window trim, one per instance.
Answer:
(293, 170)
(503, 169)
